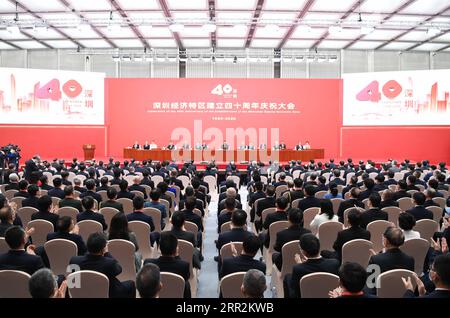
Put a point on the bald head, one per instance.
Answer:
(231, 193)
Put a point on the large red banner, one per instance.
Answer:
(214, 110)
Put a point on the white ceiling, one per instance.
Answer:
(399, 24)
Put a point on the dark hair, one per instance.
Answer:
(190, 203)
(123, 185)
(33, 190)
(111, 193)
(310, 244)
(88, 202)
(23, 184)
(259, 186)
(148, 281)
(298, 183)
(178, 219)
(42, 284)
(118, 228)
(57, 182)
(155, 194)
(352, 277)
(310, 190)
(43, 179)
(380, 178)
(64, 174)
(195, 184)
(419, 198)
(96, 242)
(406, 221)
(322, 179)
(64, 223)
(354, 217)
(90, 184)
(270, 190)
(334, 190)
(402, 184)
(239, 218)
(354, 192)
(327, 207)
(68, 190)
(391, 174)
(44, 203)
(168, 243)
(104, 180)
(189, 191)
(230, 203)
(15, 237)
(251, 245)
(394, 236)
(295, 216)
(282, 203)
(442, 268)
(369, 183)
(375, 199)
(138, 202)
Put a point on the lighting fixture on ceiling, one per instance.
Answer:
(116, 58)
(321, 58)
(334, 29)
(310, 58)
(176, 27)
(332, 58)
(138, 58)
(148, 58)
(126, 58)
(299, 59)
(235, 60)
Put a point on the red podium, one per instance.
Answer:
(89, 151)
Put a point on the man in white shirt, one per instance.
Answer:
(153, 145)
(306, 145)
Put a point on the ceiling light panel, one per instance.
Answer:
(29, 44)
(332, 5)
(313, 33)
(47, 5)
(95, 43)
(262, 32)
(77, 34)
(139, 4)
(284, 4)
(285, 18)
(332, 44)
(304, 44)
(155, 32)
(415, 36)
(5, 35)
(61, 44)
(49, 33)
(430, 47)
(395, 46)
(265, 43)
(386, 6)
(234, 43)
(191, 15)
(346, 33)
(232, 32)
(193, 31)
(162, 43)
(86, 5)
(426, 7)
(156, 16)
(187, 4)
(123, 32)
(242, 17)
(235, 4)
(365, 45)
(380, 34)
(128, 43)
(188, 43)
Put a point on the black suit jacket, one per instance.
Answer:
(426, 204)
(74, 203)
(344, 236)
(148, 181)
(12, 186)
(420, 213)
(30, 166)
(234, 235)
(45, 215)
(268, 202)
(184, 235)
(372, 215)
(401, 194)
(386, 203)
(393, 258)
(112, 204)
(194, 218)
(77, 239)
(93, 194)
(308, 267)
(350, 203)
(139, 216)
(57, 192)
(241, 263)
(223, 195)
(31, 202)
(174, 265)
(20, 260)
(23, 194)
(137, 187)
(198, 205)
(433, 294)
(309, 202)
(125, 194)
(177, 182)
(91, 215)
(294, 232)
(221, 206)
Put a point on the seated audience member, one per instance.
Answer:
(310, 201)
(99, 260)
(281, 180)
(322, 186)
(44, 207)
(64, 178)
(13, 182)
(77, 186)
(137, 187)
(67, 230)
(155, 195)
(117, 173)
(429, 195)
(238, 232)
(32, 199)
(112, 202)
(148, 281)
(230, 193)
(124, 193)
(175, 181)
(333, 192)
(69, 200)
(325, 214)
(267, 202)
(103, 184)
(23, 193)
(352, 184)
(411, 183)
(18, 258)
(379, 183)
(373, 213)
(178, 221)
(245, 261)
(189, 192)
(56, 191)
(390, 180)
(7, 216)
(292, 233)
(189, 214)
(43, 285)
(388, 199)
(170, 261)
(440, 277)
(90, 186)
(402, 189)
(224, 217)
(118, 230)
(297, 191)
(434, 184)
(280, 214)
(337, 178)
(309, 261)
(406, 223)
(419, 211)
(146, 179)
(352, 202)
(393, 257)
(254, 284)
(369, 184)
(355, 231)
(44, 183)
(352, 280)
(89, 214)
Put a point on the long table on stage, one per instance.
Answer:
(224, 156)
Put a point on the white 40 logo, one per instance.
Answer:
(220, 90)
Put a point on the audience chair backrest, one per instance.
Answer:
(91, 285)
(318, 285)
(230, 285)
(14, 284)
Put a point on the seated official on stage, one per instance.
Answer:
(306, 146)
(153, 145)
(225, 146)
(146, 145)
(262, 146)
(186, 146)
(171, 146)
(299, 146)
(136, 145)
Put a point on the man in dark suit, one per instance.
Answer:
(388, 199)
(355, 231)
(89, 214)
(352, 280)
(230, 194)
(57, 191)
(258, 194)
(401, 190)
(292, 233)
(174, 180)
(373, 213)
(139, 215)
(268, 202)
(137, 187)
(379, 183)
(198, 194)
(419, 211)
(69, 200)
(99, 260)
(30, 167)
(23, 193)
(146, 179)
(230, 207)
(393, 257)
(238, 232)
(310, 201)
(350, 203)
(189, 192)
(13, 182)
(429, 195)
(281, 180)
(78, 187)
(390, 179)
(411, 183)
(337, 178)
(18, 258)
(64, 178)
(370, 185)
(32, 199)
(90, 186)
(44, 183)
(103, 185)
(439, 275)
(309, 261)
(44, 205)
(245, 261)
(228, 184)
(6, 218)
(170, 261)
(280, 214)
(67, 230)
(111, 193)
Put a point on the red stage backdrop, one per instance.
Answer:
(147, 109)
